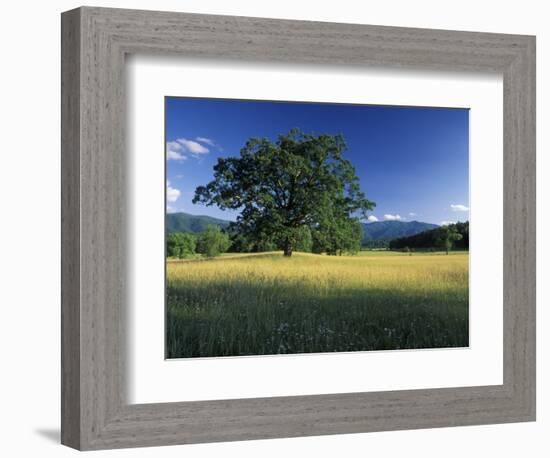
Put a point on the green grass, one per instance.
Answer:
(265, 303)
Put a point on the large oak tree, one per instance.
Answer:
(299, 182)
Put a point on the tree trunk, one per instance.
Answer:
(288, 249)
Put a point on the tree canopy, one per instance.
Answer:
(212, 242)
(446, 237)
(298, 188)
(180, 245)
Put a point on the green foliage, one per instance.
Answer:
(240, 243)
(464, 230)
(249, 242)
(375, 235)
(212, 242)
(446, 237)
(265, 245)
(375, 244)
(280, 187)
(303, 240)
(336, 236)
(180, 245)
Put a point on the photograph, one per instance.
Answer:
(297, 227)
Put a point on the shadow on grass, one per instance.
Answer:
(239, 318)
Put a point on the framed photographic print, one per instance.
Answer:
(287, 228)
(290, 256)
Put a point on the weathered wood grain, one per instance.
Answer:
(95, 412)
(70, 229)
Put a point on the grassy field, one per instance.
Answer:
(260, 304)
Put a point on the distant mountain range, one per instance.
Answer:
(384, 231)
(184, 222)
(380, 231)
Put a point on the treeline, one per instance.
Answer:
(210, 243)
(375, 244)
(446, 237)
(331, 238)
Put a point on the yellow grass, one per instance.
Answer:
(324, 273)
(321, 303)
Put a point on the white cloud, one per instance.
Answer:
(389, 217)
(372, 218)
(446, 223)
(176, 150)
(193, 147)
(206, 141)
(459, 208)
(412, 214)
(174, 156)
(172, 194)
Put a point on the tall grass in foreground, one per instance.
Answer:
(269, 304)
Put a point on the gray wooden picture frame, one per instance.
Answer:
(95, 412)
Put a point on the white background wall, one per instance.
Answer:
(29, 228)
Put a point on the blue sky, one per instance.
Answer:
(411, 161)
